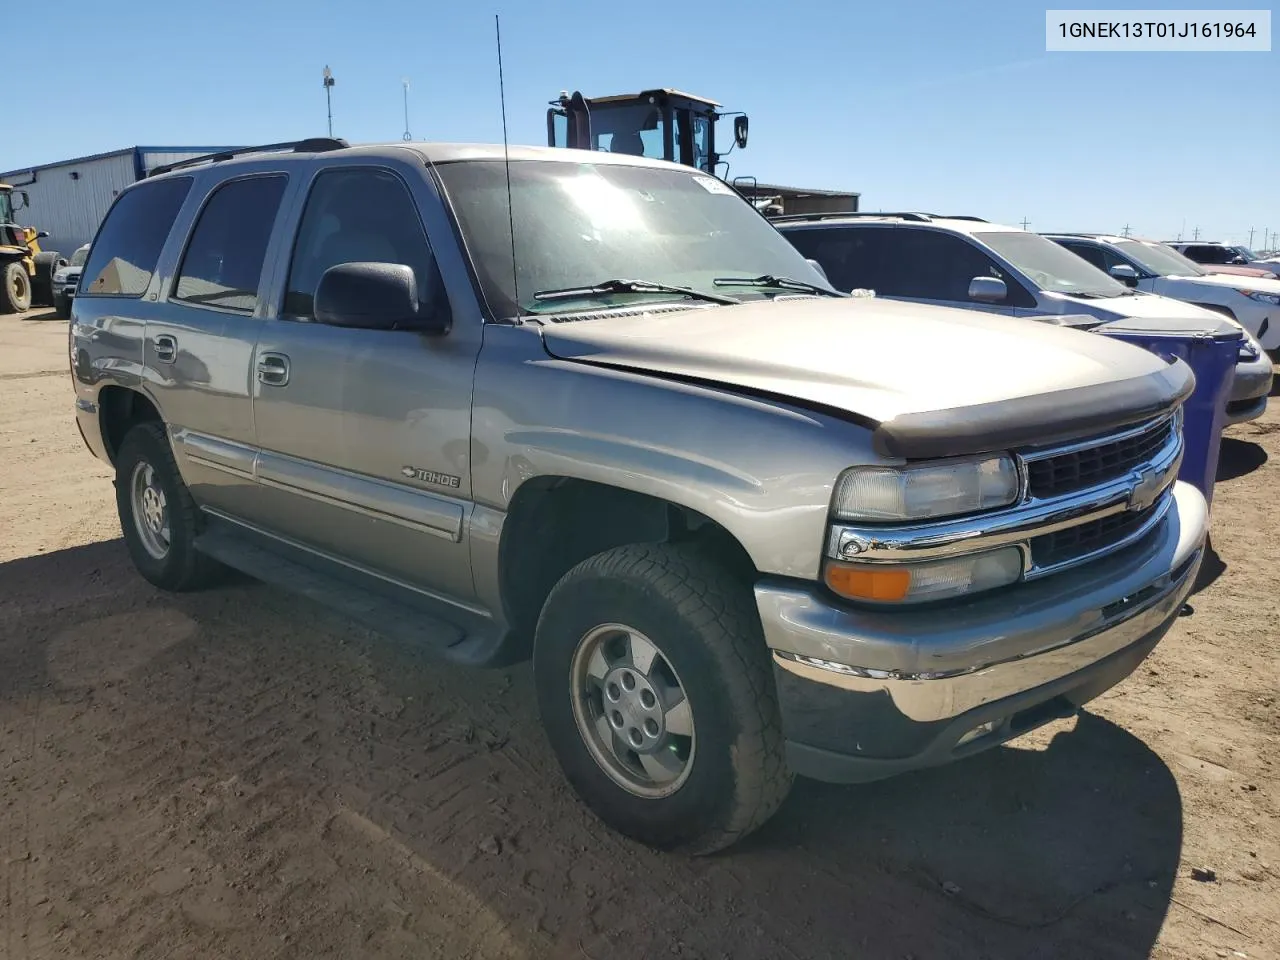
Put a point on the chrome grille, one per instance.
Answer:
(1074, 543)
(1084, 466)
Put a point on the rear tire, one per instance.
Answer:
(48, 262)
(656, 691)
(159, 519)
(15, 296)
(62, 307)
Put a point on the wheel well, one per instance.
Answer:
(119, 411)
(554, 523)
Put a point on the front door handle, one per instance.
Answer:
(273, 369)
(166, 348)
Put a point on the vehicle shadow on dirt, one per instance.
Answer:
(41, 314)
(1238, 458)
(1211, 567)
(364, 774)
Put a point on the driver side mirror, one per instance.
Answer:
(740, 127)
(987, 289)
(1125, 274)
(375, 296)
(42, 234)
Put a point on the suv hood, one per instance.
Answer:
(1269, 285)
(930, 381)
(1148, 306)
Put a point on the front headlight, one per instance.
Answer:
(920, 492)
(60, 276)
(1250, 348)
(924, 580)
(1271, 298)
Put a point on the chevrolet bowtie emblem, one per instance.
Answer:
(1147, 483)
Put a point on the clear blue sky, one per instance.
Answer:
(939, 105)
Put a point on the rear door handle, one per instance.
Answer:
(273, 369)
(166, 348)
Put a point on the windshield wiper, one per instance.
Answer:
(777, 283)
(630, 286)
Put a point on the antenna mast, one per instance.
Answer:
(406, 138)
(506, 160)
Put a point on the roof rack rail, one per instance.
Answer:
(309, 145)
(919, 217)
(960, 216)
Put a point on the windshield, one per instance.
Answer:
(637, 129)
(580, 224)
(1246, 253)
(1160, 259)
(6, 207)
(78, 258)
(1051, 267)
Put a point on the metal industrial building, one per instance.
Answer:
(70, 198)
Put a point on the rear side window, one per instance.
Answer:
(224, 258)
(1208, 254)
(903, 262)
(846, 258)
(124, 256)
(1092, 254)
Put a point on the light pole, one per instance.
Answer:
(328, 99)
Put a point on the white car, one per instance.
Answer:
(66, 280)
(1157, 268)
(969, 263)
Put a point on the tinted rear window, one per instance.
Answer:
(124, 255)
(224, 259)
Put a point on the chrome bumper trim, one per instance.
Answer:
(925, 697)
(937, 663)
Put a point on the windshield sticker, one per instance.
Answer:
(712, 185)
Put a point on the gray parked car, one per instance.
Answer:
(1213, 255)
(741, 531)
(65, 281)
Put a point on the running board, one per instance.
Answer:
(400, 620)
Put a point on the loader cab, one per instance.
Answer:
(11, 201)
(661, 124)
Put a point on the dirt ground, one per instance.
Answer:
(238, 774)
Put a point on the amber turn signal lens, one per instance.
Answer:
(869, 583)
(925, 579)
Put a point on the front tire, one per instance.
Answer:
(159, 519)
(656, 691)
(15, 295)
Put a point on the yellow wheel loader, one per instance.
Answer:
(26, 271)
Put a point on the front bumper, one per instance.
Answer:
(1250, 389)
(867, 694)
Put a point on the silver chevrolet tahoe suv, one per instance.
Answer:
(595, 411)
